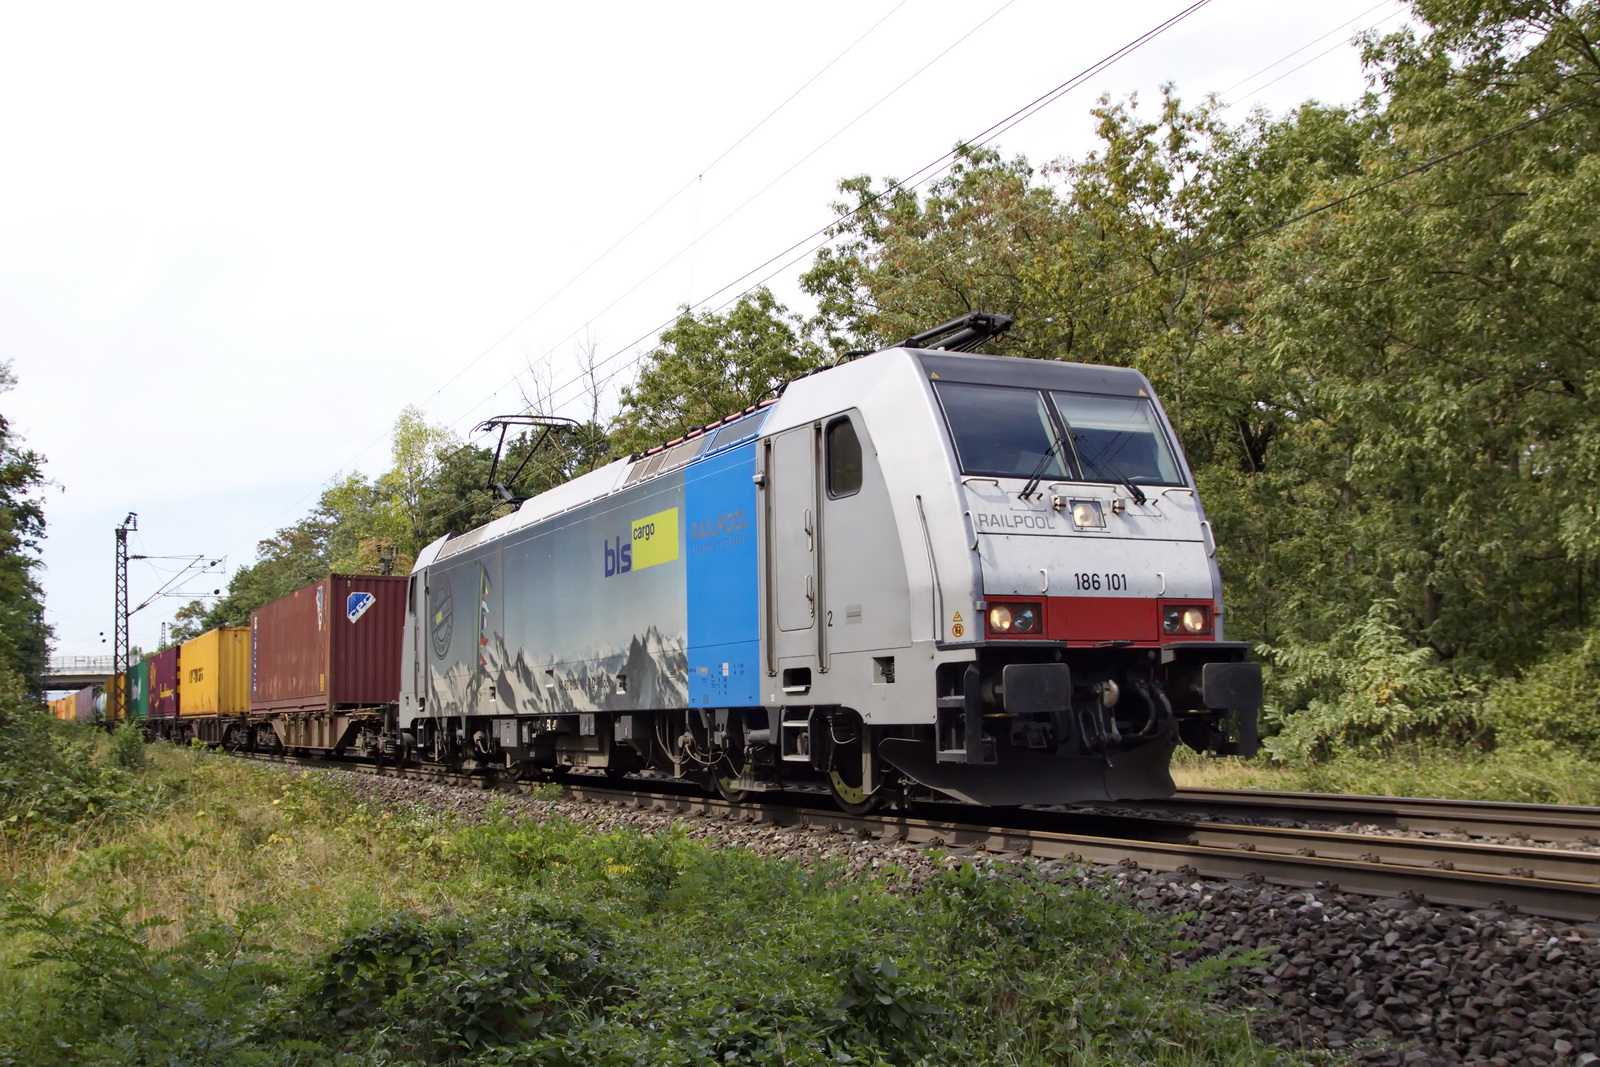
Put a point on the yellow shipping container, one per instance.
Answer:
(112, 691)
(214, 673)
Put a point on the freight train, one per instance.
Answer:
(919, 572)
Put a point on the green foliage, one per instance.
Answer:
(52, 774)
(128, 746)
(24, 636)
(130, 1002)
(1554, 706)
(708, 365)
(1368, 691)
(430, 990)
(516, 940)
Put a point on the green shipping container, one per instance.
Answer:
(139, 690)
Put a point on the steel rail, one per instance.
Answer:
(1562, 823)
(1562, 884)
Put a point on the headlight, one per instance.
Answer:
(1193, 619)
(1016, 619)
(1086, 514)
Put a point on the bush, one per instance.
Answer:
(191, 1003)
(51, 775)
(128, 746)
(1555, 704)
(1368, 692)
(428, 990)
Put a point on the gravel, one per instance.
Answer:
(1376, 981)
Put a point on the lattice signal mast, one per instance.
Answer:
(120, 630)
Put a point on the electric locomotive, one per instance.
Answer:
(917, 572)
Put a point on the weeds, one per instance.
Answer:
(399, 936)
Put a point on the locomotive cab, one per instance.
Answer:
(1040, 536)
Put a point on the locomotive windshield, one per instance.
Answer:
(1116, 438)
(1001, 431)
(1009, 432)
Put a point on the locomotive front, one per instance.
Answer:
(1079, 619)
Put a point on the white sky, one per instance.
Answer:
(235, 240)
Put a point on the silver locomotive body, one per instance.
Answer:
(986, 577)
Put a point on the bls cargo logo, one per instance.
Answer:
(651, 540)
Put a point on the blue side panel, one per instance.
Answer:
(722, 576)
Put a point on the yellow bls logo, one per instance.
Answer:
(655, 539)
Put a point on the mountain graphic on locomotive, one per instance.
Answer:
(918, 572)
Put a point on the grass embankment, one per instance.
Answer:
(230, 913)
(1537, 775)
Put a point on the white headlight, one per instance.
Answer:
(1086, 515)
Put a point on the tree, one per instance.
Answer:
(24, 636)
(709, 365)
(1383, 376)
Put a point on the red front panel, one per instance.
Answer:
(1093, 620)
(163, 683)
(1086, 620)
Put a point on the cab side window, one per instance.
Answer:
(844, 458)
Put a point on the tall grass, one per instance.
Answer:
(1533, 773)
(266, 918)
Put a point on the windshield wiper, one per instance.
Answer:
(1037, 476)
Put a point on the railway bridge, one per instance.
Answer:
(75, 672)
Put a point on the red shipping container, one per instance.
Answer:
(334, 643)
(163, 684)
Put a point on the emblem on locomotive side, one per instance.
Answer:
(651, 540)
(442, 619)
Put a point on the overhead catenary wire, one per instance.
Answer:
(804, 248)
(921, 175)
(1315, 40)
(1329, 205)
(635, 228)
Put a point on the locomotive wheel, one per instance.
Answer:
(724, 775)
(845, 781)
(852, 799)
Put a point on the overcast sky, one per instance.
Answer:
(235, 240)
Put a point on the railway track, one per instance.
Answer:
(1553, 882)
(1554, 823)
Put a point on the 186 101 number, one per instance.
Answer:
(1114, 583)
